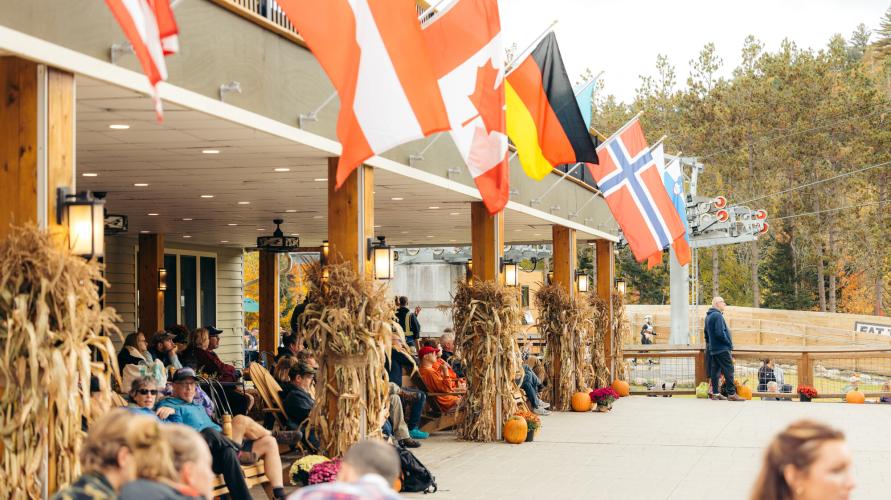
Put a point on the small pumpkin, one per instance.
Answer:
(855, 397)
(581, 401)
(622, 388)
(744, 391)
(515, 430)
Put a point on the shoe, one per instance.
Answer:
(410, 443)
(247, 458)
(418, 434)
(717, 397)
(544, 404)
(734, 397)
(288, 438)
(541, 411)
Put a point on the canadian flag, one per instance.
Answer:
(151, 29)
(373, 53)
(465, 43)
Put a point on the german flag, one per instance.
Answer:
(543, 117)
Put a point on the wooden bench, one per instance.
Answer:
(253, 475)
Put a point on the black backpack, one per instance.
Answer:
(415, 477)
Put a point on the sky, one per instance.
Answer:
(623, 37)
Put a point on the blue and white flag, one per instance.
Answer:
(584, 97)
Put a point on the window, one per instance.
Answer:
(524, 296)
(191, 295)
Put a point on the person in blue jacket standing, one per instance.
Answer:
(720, 346)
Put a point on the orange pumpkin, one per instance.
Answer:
(744, 391)
(622, 388)
(515, 430)
(855, 397)
(581, 401)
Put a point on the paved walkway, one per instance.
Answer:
(652, 448)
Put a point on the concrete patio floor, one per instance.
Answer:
(652, 448)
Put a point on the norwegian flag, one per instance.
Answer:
(629, 177)
(151, 29)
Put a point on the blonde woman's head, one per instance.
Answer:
(191, 458)
(200, 338)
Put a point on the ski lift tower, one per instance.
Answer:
(711, 223)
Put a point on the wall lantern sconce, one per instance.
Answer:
(468, 270)
(326, 247)
(581, 281)
(550, 277)
(511, 272)
(162, 279)
(383, 258)
(85, 219)
(620, 286)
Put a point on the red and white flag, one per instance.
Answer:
(373, 52)
(465, 43)
(151, 29)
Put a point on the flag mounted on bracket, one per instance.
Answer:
(151, 30)
(543, 117)
(631, 183)
(374, 53)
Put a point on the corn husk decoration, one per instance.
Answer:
(600, 317)
(621, 329)
(487, 320)
(52, 326)
(567, 328)
(348, 321)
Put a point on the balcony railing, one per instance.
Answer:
(831, 370)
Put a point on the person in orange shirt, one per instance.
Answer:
(439, 377)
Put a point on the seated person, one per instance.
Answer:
(772, 388)
(765, 374)
(292, 344)
(531, 384)
(203, 360)
(162, 347)
(298, 400)
(250, 438)
(368, 470)
(400, 362)
(280, 372)
(153, 461)
(192, 462)
(308, 356)
(441, 379)
(447, 341)
(134, 351)
(181, 337)
(886, 387)
(143, 395)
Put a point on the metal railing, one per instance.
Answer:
(831, 370)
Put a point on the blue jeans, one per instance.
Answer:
(417, 406)
(530, 384)
(722, 363)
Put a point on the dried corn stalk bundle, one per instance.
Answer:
(348, 321)
(487, 319)
(600, 318)
(51, 322)
(564, 324)
(621, 330)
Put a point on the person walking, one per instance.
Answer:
(720, 346)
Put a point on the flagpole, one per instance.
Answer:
(661, 139)
(530, 48)
(628, 124)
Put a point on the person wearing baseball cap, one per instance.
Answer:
(439, 380)
(162, 347)
(213, 334)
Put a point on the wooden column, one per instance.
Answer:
(604, 249)
(36, 143)
(351, 217)
(151, 300)
(564, 263)
(269, 303)
(487, 240)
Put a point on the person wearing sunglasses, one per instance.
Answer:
(143, 395)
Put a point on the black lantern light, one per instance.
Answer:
(581, 281)
(383, 258)
(511, 272)
(620, 286)
(84, 216)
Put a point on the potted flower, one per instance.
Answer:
(806, 393)
(300, 469)
(533, 424)
(604, 398)
(324, 472)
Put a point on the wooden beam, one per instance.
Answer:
(564, 261)
(269, 302)
(37, 112)
(487, 240)
(151, 300)
(604, 250)
(351, 217)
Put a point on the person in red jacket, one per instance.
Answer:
(205, 360)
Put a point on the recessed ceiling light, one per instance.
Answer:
(536, 234)
(224, 241)
(282, 169)
(186, 236)
(291, 210)
(452, 241)
(90, 174)
(231, 224)
(455, 213)
(295, 234)
(140, 184)
(397, 199)
(433, 208)
(244, 203)
(261, 229)
(152, 214)
(321, 179)
(318, 216)
(187, 218)
(144, 232)
(517, 230)
(118, 126)
(403, 232)
(429, 235)
(207, 196)
(211, 151)
(378, 226)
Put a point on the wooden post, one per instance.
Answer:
(805, 370)
(351, 217)
(269, 303)
(564, 251)
(151, 300)
(700, 372)
(487, 239)
(605, 272)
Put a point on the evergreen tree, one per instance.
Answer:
(883, 44)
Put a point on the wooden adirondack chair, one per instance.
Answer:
(436, 419)
(269, 390)
(253, 475)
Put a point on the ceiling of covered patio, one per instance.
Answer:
(206, 180)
